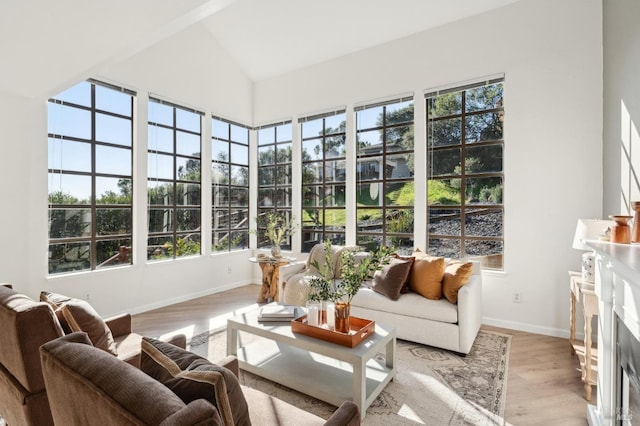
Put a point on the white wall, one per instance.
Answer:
(189, 68)
(19, 215)
(551, 54)
(621, 106)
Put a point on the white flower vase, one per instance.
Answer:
(275, 252)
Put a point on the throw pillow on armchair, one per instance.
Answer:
(193, 377)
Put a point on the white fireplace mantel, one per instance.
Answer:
(618, 289)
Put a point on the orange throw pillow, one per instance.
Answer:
(426, 275)
(456, 275)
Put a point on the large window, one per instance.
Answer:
(465, 171)
(173, 185)
(90, 129)
(230, 185)
(323, 179)
(385, 169)
(274, 177)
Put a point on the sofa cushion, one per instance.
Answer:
(410, 305)
(405, 287)
(456, 275)
(81, 316)
(426, 275)
(391, 278)
(326, 261)
(319, 254)
(192, 377)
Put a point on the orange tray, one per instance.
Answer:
(360, 329)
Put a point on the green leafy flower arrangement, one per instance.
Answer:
(354, 272)
(276, 227)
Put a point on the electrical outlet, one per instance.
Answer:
(228, 269)
(87, 297)
(516, 297)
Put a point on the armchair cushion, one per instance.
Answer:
(56, 301)
(191, 377)
(82, 317)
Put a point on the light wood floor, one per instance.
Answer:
(543, 388)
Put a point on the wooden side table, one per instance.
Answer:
(584, 293)
(270, 273)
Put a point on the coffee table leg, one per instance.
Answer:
(360, 386)
(391, 353)
(232, 341)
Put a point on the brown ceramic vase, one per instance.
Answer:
(635, 232)
(621, 233)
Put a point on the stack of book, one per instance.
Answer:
(277, 313)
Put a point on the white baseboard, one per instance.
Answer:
(530, 328)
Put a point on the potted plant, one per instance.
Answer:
(353, 275)
(277, 229)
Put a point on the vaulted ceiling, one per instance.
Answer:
(46, 45)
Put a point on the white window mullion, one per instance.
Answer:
(350, 184)
(205, 188)
(420, 221)
(296, 185)
(140, 147)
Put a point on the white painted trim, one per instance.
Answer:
(383, 99)
(463, 83)
(337, 109)
(530, 328)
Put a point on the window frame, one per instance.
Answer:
(157, 252)
(275, 186)
(337, 236)
(384, 237)
(124, 254)
(492, 259)
(241, 208)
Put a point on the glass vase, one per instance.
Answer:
(342, 323)
(313, 313)
(330, 314)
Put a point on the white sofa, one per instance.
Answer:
(436, 323)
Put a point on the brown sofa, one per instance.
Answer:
(87, 386)
(25, 326)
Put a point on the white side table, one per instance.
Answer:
(584, 293)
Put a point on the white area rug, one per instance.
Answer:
(432, 386)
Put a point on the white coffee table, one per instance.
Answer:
(323, 370)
